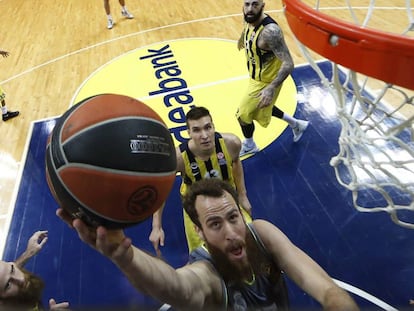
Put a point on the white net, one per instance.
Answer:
(376, 144)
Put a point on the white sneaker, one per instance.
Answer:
(110, 24)
(248, 149)
(127, 14)
(298, 130)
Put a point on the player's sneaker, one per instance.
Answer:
(248, 149)
(9, 115)
(110, 24)
(127, 14)
(298, 130)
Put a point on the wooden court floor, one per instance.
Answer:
(55, 46)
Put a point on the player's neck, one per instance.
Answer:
(259, 21)
(199, 153)
(204, 154)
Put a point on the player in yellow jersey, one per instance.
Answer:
(207, 154)
(269, 63)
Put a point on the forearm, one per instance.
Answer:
(238, 175)
(23, 258)
(34, 245)
(240, 41)
(155, 278)
(157, 218)
(284, 71)
(336, 299)
(316, 282)
(303, 270)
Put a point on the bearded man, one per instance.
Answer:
(269, 64)
(238, 269)
(20, 289)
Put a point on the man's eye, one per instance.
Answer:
(215, 225)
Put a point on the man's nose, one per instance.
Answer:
(229, 232)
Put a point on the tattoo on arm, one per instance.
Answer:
(272, 40)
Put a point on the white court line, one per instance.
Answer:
(166, 27)
(201, 86)
(10, 210)
(352, 289)
(365, 295)
(117, 39)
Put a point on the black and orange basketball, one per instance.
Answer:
(110, 160)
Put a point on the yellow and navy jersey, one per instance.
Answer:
(262, 65)
(219, 165)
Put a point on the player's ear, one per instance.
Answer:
(199, 232)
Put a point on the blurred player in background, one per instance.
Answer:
(124, 13)
(20, 289)
(4, 112)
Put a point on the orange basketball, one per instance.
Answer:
(110, 160)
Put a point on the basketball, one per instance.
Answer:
(110, 160)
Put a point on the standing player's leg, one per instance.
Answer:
(4, 112)
(297, 126)
(124, 10)
(110, 21)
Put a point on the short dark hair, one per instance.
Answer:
(211, 187)
(196, 113)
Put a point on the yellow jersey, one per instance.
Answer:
(262, 65)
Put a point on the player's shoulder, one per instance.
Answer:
(263, 227)
(231, 140)
(229, 136)
(272, 30)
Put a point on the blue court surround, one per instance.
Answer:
(290, 184)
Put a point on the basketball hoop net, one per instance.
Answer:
(372, 82)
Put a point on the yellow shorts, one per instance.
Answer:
(248, 111)
(2, 94)
(193, 239)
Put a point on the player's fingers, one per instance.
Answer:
(62, 214)
(162, 238)
(86, 234)
(155, 244)
(43, 241)
(121, 251)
